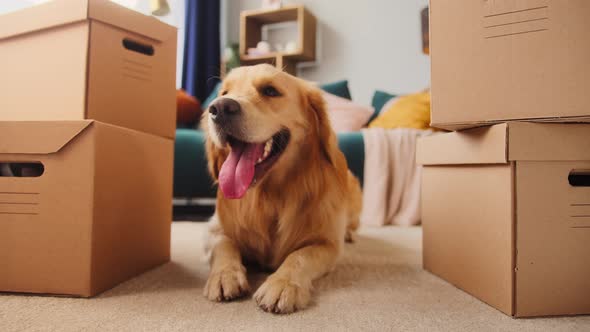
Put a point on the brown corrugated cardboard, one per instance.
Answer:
(99, 213)
(501, 60)
(504, 217)
(88, 59)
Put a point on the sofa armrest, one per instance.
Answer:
(191, 178)
(353, 147)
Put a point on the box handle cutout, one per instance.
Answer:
(22, 170)
(579, 178)
(138, 47)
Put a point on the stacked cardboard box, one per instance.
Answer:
(506, 206)
(87, 119)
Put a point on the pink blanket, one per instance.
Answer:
(391, 188)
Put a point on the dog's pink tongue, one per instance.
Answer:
(238, 170)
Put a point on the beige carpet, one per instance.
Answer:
(379, 285)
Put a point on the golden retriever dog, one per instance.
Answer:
(286, 200)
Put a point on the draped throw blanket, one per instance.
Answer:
(391, 184)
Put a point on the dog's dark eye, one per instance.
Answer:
(223, 93)
(270, 91)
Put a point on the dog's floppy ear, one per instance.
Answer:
(327, 137)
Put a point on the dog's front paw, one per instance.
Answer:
(227, 284)
(281, 296)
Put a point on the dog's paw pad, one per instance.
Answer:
(281, 296)
(227, 284)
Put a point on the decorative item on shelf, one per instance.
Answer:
(279, 47)
(286, 54)
(291, 47)
(271, 4)
(159, 7)
(262, 48)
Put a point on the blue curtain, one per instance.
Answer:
(201, 49)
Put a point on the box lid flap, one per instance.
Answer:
(42, 16)
(530, 141)
(59, 12)
(485, 145)
(512, 141)
(38, 137)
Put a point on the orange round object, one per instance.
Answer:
(188, 108)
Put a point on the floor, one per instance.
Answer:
(379, 285)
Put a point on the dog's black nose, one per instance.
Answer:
(224, 109)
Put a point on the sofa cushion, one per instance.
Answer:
(352, 146)
(380, 98)
(191, 178)
(338, 88)
(345, 115)
(410, 111)
(188, 109)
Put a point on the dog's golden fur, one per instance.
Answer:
(295, 218)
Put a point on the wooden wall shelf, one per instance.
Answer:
(251, 23)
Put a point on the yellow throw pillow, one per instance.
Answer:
(410, 111)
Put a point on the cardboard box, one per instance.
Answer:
(500, 60)
(88, 59)
(93, 209)
(506, 215)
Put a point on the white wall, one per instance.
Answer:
(375, 44)
(176, 17)
(7, 6)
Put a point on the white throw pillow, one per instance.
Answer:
(346, 115)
